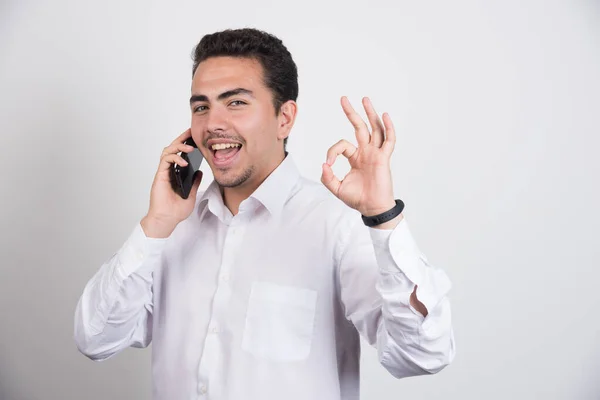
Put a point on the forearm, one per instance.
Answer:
(415, 310)
(110, 315)
(414, 301)
(113, 309)
(395, 299)
(410, 343)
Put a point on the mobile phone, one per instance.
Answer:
(182, 177)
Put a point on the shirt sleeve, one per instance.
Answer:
(378, 271)
(115, 308)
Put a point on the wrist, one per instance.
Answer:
(386, 219)
(390, 224)
(157, 228)
(371, 211)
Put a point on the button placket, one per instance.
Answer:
(203, 390)
(211, 357)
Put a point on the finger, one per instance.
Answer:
(360, 128)
(329, 180)
(343, 147)
(377, 132)
(185, 135)
(390, 140)
(166, 161)
(176, 148)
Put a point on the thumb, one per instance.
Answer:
(329, 180)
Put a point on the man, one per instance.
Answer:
(259, 287)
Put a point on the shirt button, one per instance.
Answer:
(214, 329)
(225, 278)
(139, 255)
(203, 389)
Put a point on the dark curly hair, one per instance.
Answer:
(280, 71)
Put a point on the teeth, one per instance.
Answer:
(223, 146)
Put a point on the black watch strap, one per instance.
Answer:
(386, 216)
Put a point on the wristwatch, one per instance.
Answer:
(386, 216)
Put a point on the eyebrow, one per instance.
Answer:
(222, 96)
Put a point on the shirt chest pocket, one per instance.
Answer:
(279, 322)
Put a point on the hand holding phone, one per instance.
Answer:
(182, 177)
(175, 186)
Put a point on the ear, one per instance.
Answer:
(286, 118)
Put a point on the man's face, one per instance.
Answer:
(234, 122)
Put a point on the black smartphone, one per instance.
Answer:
(182, 177)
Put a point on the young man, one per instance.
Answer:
(259, 287)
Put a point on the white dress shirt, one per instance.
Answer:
(269, 303)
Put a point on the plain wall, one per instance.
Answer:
(496, 106)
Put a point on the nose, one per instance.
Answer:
(217, 119)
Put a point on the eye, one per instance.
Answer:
(237, 103)
(200, 108)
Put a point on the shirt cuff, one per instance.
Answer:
(138, 250)
(403, 249)
(401, 254)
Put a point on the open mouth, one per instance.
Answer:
(224, 153)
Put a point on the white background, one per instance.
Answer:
(496, 106)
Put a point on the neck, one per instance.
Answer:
(232, 197)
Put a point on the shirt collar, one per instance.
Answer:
(276, 189)
(211, 200)
(272, 193)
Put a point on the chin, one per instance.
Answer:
(231, 180)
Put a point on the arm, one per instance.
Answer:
(380, 270)
(115, 309)
(389, 291)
